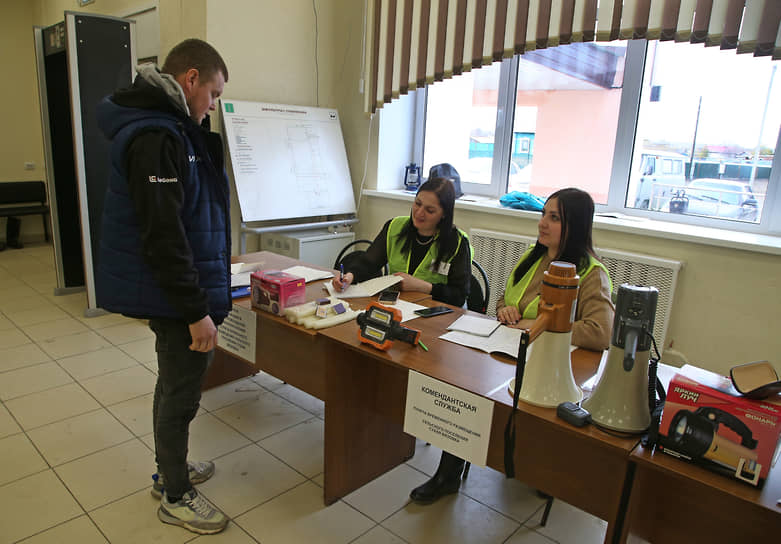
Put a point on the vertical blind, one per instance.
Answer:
(412, 43)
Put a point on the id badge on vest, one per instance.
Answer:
(443, 268)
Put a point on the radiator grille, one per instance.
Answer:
(498, 252)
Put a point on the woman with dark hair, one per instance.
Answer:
(564, 234)
(429, 253)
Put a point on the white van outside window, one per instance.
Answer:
(657, 179)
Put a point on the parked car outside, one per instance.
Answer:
(716, 198)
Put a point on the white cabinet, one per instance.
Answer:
(318, 247)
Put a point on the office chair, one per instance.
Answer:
(479, 290)
(345, 258)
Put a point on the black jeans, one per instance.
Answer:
(177, 396)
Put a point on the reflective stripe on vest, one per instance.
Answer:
(513, 293)
(399, 262)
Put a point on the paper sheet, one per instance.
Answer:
(407, 309)
(238, 268)
(309, 274)
(366, 288)
(503, 340)
(479, 326)
(240, 280)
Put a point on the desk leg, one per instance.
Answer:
(364, 411)
(616, 526)
(563, 462)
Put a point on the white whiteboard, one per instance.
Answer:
(288, 161)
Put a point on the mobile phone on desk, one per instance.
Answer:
(434, 310)
(388, 297)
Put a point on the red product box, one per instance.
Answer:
(708, 422)
(273, 291)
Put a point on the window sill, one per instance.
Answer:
(761, 243)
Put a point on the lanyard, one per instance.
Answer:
(509, 430)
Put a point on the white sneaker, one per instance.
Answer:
(193, 512)
(199, 472)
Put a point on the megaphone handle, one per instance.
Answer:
(540, 324)
(631, 348)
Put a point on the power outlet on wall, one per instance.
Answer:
(29, 165)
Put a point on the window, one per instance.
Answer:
(621, 120)
(466, 140)
(722, 109)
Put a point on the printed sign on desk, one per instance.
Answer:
(237, 333)
(448, 417)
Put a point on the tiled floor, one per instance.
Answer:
(76, 447)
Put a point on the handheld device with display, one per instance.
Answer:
(379, 326)
(388, 297)
(434, 310)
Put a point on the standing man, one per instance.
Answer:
(165, 250)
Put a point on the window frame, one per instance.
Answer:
(629, 108)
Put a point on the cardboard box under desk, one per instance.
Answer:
(707, 421)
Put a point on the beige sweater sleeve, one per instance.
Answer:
(594, 314)
(500, 302)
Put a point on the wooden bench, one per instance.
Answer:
(18, 198)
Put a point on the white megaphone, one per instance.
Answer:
(547, 378)
(620, 397)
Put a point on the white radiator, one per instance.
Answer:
(498, 252)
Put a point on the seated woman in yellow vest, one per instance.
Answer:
(429, 253)
(564, 234)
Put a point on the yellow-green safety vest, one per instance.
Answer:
(513, 293)
(399, 262)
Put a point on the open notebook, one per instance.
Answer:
(366, 288)
(503, 340)
(479, 326)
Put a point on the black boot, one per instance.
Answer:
(446, 480)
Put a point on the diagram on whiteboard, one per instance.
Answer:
(288, 161)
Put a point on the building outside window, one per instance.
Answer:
(671, 130)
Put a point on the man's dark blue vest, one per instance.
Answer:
(125, 284)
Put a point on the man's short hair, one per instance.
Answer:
(194, 53)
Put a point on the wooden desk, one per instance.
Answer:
(676, 501)
(365, 393)
(286, 351)
(364, 419)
